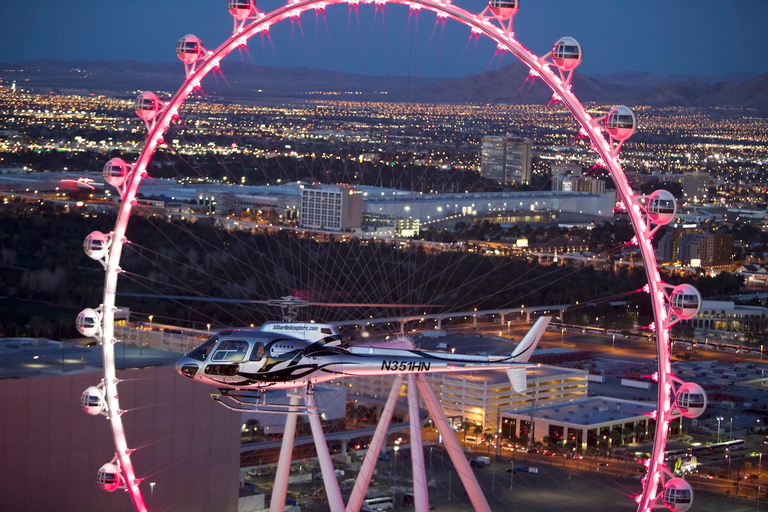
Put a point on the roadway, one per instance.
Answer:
(627, 262)
(542, 310)
(329, 436)
(626, 348)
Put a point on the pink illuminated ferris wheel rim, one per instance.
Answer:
(494, 23)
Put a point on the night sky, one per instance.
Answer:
(665, 37)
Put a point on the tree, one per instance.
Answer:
(753, 338)
(253, 425)
(465, 427)
(639, 432)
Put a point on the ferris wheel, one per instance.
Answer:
(555, 68)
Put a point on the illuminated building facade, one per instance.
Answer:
(506, 159)
(709, 250)
(480, 396)
(330, 207)
(695, 185)
(668, 248)
(562, 183)
(722, 315)
(597, 422)
(407, 227)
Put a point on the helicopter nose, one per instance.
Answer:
(187, 367)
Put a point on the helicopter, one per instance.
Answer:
(245, 364)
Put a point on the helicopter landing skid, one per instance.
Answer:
(254, 401)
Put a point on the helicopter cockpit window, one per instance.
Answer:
(230, 351)
(201, 352)
(258, 352)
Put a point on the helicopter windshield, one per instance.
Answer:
(201, 352)
(230, 351)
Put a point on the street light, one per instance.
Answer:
(730, 435)
(394, 464)
(719, 419)
(614, 342)
(150, 321)
(152, 489)
(562, 334)
(509, 322)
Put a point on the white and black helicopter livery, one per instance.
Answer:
(291, 355)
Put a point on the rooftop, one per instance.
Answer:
(22, 358)
(588, 412)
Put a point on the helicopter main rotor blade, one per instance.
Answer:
(273, 302)
(190, 297)
(369, 305)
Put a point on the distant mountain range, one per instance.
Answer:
(248, 82)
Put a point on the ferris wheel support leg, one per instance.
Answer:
(280, 489)
(332, 491)
(420, 494)
(372, 455)
(476, 496)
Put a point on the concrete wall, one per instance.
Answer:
(50, 450)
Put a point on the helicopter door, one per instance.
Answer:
(257, 360)
(225, 362)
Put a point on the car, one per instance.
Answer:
(603, 464)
